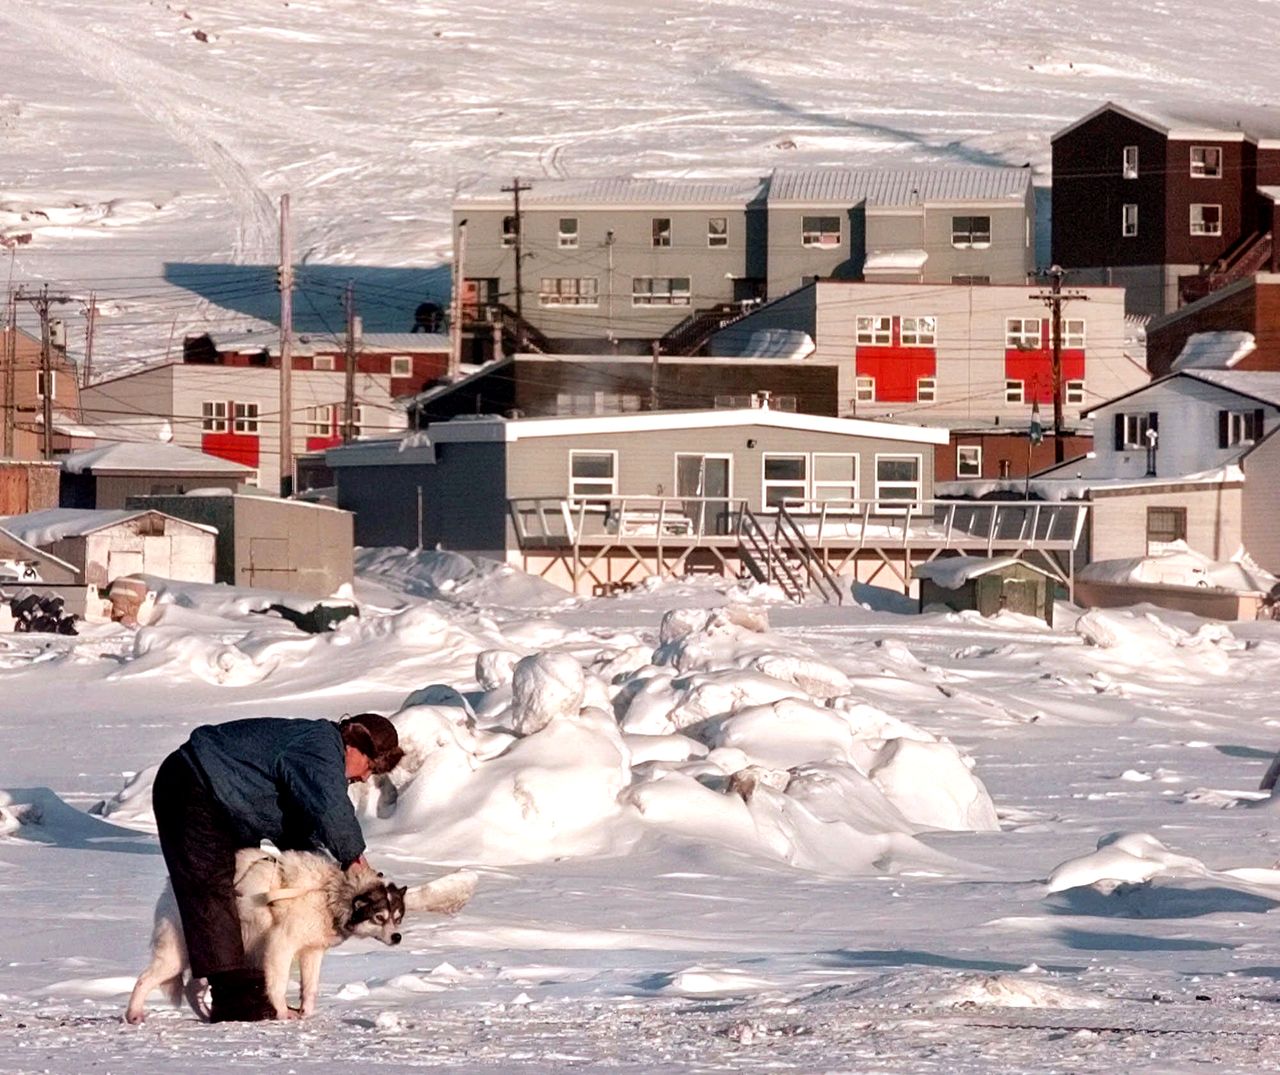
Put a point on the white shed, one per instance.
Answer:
(104, 545)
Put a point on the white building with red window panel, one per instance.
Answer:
(233, 412)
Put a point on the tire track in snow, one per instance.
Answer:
(154, 90)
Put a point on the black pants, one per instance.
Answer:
(199, 848)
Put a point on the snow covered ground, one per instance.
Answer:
(748, 835)
(147, 142)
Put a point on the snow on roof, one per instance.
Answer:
(774, 343)
(41, 528)
(1262, 385)
(1177, 127)
(895, 260)
(38, 555)
(268, 340)
(1214, 350)
(952, 572)
(897, 186)
(624, 190)
(1181, 565)
(149, 457)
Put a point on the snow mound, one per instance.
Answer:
(450, 576)
(1123, 858)
(1016, 991)
(1143, 642)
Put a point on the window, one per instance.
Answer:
(1075, 392)
(1073, 332)
(919, 331)
(874, 331)
(660, 291)
(401, 366)
(1206, 162)
(510, 229)
(926, 389)
(1239, 427)
(1022, 333)
(319, 420)
(1165, 525)
(785, 478)
(835, 477)
(717, 231)
(246, 418)
(820, 231)
(1129, 222)
(661, 231)
(1131, 162)
(1131, 430)
(864, 390)
(567, 238)
(734, 403)
(323, 362)
(53, 383)
(1206, 220)
(969, 280)
(897, 481)
(569, 291)
(1013, 391)
(971, 231)
(968, 461)
(213, 416)
(593, 474)
(597, 402)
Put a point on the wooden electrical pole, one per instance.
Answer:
(349, 368)
(285, 273)
(455, 304)
(10, 364)
(1054, 299)
(518, 234)
(41, 304)
(653, 376)
(91, 319)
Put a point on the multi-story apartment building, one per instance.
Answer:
(28, 381)
(1166, 208)
(234, 412)
(628, 260)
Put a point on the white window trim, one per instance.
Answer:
(718, 239)
(1019, 339)
(871, 336)
(323, 362)
(926, 389)
(1075, 393)
(319, 420)
(670, 297)
(864, 389)
(970, 243)
(1073, 339)
(661, 238)
(1014, 391)
(405, 363)
(1198, 172)
(918, 484)
(769, 483)
(675, 468)
(1129, 162)
(567, 240)
(216, 420)
(53, 383)
(1237, 428)
(976, 449)
(1201, 230)
(508, 237)
(246, 422)
(613, 481)
(1135, 431)
(816, 237)
(1128, 228)
(853, 490)
(560, 298)
(918, 337)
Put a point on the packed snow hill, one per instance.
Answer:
(710, 831)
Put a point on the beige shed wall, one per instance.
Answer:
(1214, 521)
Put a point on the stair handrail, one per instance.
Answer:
(820, 575)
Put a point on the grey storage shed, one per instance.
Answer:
(987, 585)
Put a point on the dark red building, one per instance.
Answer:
(1250, 305)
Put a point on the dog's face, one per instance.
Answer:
(377, 913)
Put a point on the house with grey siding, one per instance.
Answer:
(599, 503)
(630, 261)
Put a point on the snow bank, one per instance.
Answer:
(1128, 641)
(450, 576)
(1181, 565)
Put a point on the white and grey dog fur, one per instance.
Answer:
(293, 905)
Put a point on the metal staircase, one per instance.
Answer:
(1250, 254)
(691, 335)
(785, 558)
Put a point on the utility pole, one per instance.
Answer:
(91, 319)
(285, 275)
(349, 368)
(653, 376)
(1054, 298)
(10, 363)
(41, 304)
(518, 234)
(455, 304)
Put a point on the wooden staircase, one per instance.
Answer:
(1251, 254)
(785, 558)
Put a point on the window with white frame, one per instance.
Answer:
(786, 477)
(246, 418)
(1013, 391)
(919, 331)
(1073, 332)
(567, 236)
(569, 291)
(898, 481)
(319, 420)
(510, 229)
(1206, 220)
(1022, 333)
(971, 231)
(53, 384)
(661, 291)
(1129, 221)
(1131, 431)
(1131, 162)
(401, 366)
(968, 461)
(873, 331)
(1240, 427)
(592, 474)
(1075, 392)
(717, 231)
(323, 362)
(661, 228)
(926, 389)
(864, 390)
(1206, 162)
(835, 478)
(820, 231)
(213, 416)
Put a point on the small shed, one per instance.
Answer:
(268, 543)
(20, 561)
(108, 476)
(104, 545)
(987, 585)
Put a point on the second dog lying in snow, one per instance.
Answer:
(293, 906)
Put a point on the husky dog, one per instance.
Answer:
(292, 906)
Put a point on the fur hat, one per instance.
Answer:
(375, 737)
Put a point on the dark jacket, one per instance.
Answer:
(281, 780)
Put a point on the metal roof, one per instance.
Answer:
(624, 190)
(1261, 385)
(149, 457)
(309, 343)
(889, 187)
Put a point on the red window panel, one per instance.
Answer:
(237, 447)
(896, 369)
(1034, 367)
